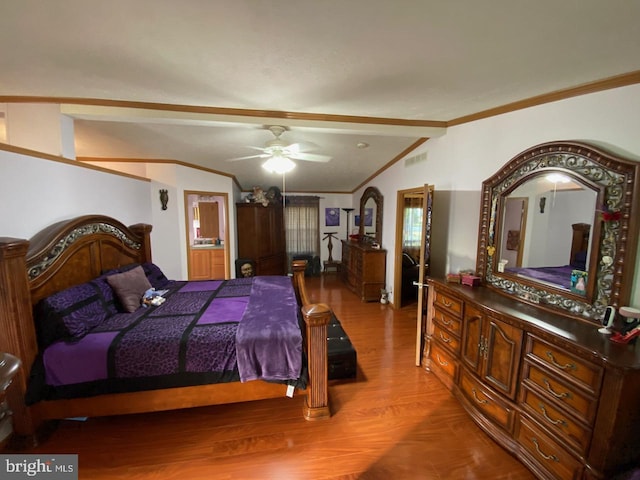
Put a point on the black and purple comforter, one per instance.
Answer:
(205, 332)
(557, 276)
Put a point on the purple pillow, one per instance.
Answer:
(72, 313)
(157, 279)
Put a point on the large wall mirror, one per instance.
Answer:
(558, 228)
(370, 218)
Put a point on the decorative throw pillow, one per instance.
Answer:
(129, 287)
(70, 314)
(155, 276)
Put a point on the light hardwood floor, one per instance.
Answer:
(394, 421)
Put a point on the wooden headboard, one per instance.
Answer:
(75, 251)
(62, 255)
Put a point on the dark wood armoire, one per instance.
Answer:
(261, 237)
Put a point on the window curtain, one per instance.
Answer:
(302, 226)
(412, 226)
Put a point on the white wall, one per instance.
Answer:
(36, 192)
(467, 154)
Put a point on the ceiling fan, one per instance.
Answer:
(280, 154)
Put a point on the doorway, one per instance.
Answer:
(413, 243)
(207, 235)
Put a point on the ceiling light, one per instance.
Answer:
(558, 178)
(278, 164)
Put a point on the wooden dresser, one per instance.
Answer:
(261, 237)
(363, 269)
(553, 390)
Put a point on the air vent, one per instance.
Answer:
(415, 159)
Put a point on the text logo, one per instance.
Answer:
(40, 467)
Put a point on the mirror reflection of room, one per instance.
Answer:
(545, 233)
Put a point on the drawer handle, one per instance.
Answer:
(552, 392)
(549, 419)
(445, 321)
(444, 339)
(447, 304)
(568, 366)
(444, 363)
(479, 400)
(546, 457)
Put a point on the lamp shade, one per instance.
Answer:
(278, 164)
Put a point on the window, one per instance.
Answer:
(302, 226)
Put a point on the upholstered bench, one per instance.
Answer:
(342, 355)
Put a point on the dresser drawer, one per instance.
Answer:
(580, 404)
(446, 338)
(448, 303)
(584, 373)
(445, 320)
(443, 360)
(490, 404)
(546, 413)
(546, 452)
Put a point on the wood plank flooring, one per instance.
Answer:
(394, 421)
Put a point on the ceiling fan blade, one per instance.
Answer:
(262, 155)
(311, 157)
(302, 147)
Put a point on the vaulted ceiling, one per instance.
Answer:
(198, 81)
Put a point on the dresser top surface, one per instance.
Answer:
(582, 334)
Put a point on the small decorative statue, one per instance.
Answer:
(384, 296)
(259, 196)
(164, 198)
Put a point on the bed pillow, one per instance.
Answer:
(70, 314)
(129, 287)
(155, 276)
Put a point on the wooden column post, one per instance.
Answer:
(17, 327)
(317, 316)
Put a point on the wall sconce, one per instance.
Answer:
(164, 198)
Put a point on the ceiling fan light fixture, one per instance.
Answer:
(278, 164)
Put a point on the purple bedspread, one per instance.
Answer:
(248, 326)
(268, 347)
(558, 276)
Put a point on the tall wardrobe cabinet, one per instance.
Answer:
(261, 237)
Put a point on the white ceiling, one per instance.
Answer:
(417, 60)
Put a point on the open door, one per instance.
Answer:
(425, 259)
(413, 249)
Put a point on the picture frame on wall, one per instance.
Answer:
(332, 217)
(245, 268)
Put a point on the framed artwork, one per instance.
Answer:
(245, 267)
(579, 282)
(368, 218)
(332, 217)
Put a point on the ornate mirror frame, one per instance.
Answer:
(371, 193)
(613, 253)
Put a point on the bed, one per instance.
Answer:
(93, 250)
(563, 276)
